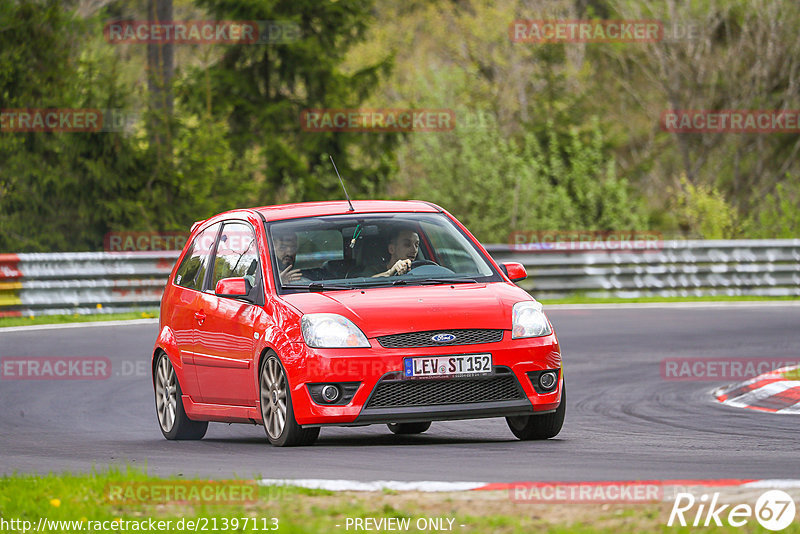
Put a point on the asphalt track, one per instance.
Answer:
(624, 421)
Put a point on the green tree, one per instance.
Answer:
(261, 91)
(779, 213)
(59, 191)
(497, 184)
(702, 212)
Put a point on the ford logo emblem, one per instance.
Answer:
(443, 338)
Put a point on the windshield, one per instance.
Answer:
(356, 251)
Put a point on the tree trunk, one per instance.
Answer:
(160, 67)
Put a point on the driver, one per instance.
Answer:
(403, 248)
(285, 244)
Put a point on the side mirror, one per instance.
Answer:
(515, 271)
(233, 287)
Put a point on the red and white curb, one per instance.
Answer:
(771, 392)
(555, 491)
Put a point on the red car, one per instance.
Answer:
(315, 314)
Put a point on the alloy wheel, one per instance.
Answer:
(166, 394)
(273, 397)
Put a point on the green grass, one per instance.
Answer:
(76, 318)
(87, 499)
(792, 374)
(576, 299)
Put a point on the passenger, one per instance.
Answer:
(285, 244)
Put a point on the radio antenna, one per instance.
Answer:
(341, 182)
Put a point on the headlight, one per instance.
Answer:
(528, 320)
(329, 330)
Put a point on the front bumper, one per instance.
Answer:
(511, 359)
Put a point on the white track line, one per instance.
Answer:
(793, 409)
(376, 485)
(57, 326)
(434, 486)
(773, 483)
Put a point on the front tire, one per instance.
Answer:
(530, 427)
(276, 408)
(172, 418)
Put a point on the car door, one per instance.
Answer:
(226, 339)
(185, 301)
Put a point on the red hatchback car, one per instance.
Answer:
(307, 315)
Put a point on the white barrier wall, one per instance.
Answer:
(106, 282)
(666, 269)
(82, 282)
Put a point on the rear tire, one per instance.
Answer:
(276, 407)
(530, 427)
(172, 418)
(409, 428)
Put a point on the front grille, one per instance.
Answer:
(428, 392)
(423, 339)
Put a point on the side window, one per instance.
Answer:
(192, 270)
(454, 251)
(237, 254)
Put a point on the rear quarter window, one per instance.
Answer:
(192, 271)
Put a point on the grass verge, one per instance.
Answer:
(76, 318)
(94, 501)
(576, 299)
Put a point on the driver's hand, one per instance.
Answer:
(401, 267)
(289, 275)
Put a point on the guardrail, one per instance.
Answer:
(108, 282)
(82, 282)
(673, 269)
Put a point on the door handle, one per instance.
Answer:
(200, 316)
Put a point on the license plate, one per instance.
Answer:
(460, 365)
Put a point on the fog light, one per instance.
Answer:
(547, 380)
(330, 393)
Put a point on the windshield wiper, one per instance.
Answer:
(431, 281)
(317, 286)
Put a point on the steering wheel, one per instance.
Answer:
(420, 263)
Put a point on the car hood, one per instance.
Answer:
(393, 310)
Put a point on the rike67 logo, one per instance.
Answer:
(774, 510)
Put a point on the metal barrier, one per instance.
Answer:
(82, 282)
(668, 269)
(108, 282)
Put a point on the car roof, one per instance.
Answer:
(335, 207)
(340, 207)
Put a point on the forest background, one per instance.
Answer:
(548, 136)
